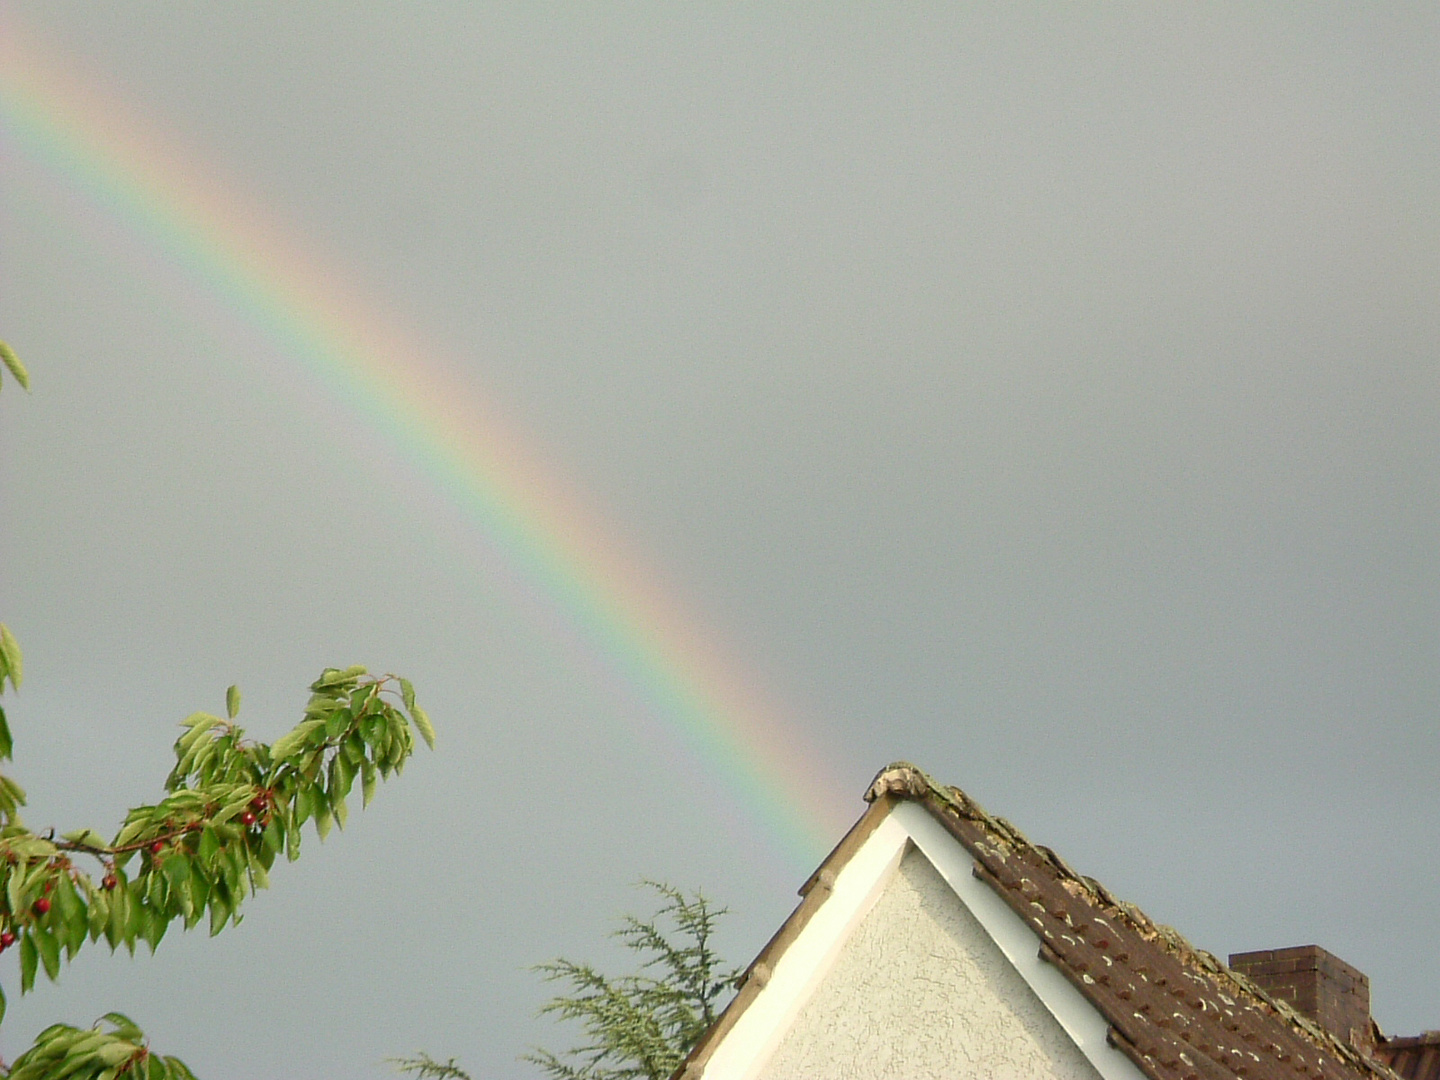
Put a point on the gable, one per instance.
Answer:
(919, 989)
(900, 961)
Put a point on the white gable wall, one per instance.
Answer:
(973, 952)
(920, 990)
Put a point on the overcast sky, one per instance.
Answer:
(1047, 397)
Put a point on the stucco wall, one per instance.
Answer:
(920, 991)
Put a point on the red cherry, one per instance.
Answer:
(247, 818)
(157, 847)
(42, 906)
(109, 881)
(6, 940)
(49, 885)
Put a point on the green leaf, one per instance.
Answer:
(15, 888)
(98, 915)
(134, 825)
(232, 809)
(199, 896)
(304, 805)
(334, 677)
(155, 888)
(134, 920)
(219, 913)
(342, 775)
(361, 697)
(195, 725)
(342, 812)
(262, 877)
(288, 743)
(232, 702)
(236, 860)
(155, 926)
(209, 844)
(49, 951)
(407, 695)
(74, 919)
(292, 842)
(29, 961)
(125, 1028)
(7, 744)
(353, 748)
(422, 722)
(119, 915)
(115, 1053)
(10, 650)
(87, 837)
(11, 792)
(12, 362)
(192, 749)
(177, 871)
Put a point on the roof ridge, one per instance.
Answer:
(905, 780)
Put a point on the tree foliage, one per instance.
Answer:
(232, 808)
(64, 1051)
(426, 1067)
(641, 1026)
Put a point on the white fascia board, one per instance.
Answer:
(748, 1045)
(745, 1048)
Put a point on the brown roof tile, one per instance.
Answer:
(1175, 1010)
(1415, 1058)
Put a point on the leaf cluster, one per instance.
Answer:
(640, 1027)
(423, 1065)
(233, 807)
(95, 1053)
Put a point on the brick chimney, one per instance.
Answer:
(1318, 984)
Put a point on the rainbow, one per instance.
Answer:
(464, 451)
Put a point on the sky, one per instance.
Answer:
(705, 406)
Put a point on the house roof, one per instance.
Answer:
(1415, 1058)
(1174, 1010)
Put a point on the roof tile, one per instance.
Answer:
(1175, 1010)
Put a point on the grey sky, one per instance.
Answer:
(1047, 398)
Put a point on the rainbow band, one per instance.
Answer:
(84, 140)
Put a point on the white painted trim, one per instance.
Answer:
(746, 1047)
